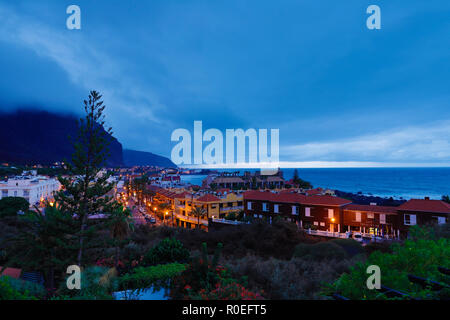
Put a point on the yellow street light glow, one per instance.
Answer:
(332, 219)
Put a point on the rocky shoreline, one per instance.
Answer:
(359, 198)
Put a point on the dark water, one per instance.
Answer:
(403, 183)
(396, 182)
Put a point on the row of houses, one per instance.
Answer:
(234, 180)
(218, 204)
(334, 214)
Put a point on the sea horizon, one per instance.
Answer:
(396, 182)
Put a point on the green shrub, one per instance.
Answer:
(9, 290)
(167, 251)
(287, 279)
(9, 206)
(231, 216)
(384, 246)
(320, 251)
(420, 257)
(97, 283)
(351, 247)
(156, 276)
(33, 289)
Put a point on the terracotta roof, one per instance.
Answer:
(314, 191)
(182, 195)
(167, 193)
(422, 205)
(369, 208)
(228, 180)
(12, 272)
(208, 198)
(325, 200)
(295, 198)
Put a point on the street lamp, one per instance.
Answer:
(165, 214)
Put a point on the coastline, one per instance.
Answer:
(380, 183)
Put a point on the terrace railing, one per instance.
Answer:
(234, 222)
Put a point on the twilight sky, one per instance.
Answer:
(340, 94)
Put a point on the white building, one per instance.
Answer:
(32, 188)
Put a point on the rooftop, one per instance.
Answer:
(425, 205)
(371, 208)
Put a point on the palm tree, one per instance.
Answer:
(120, 230)
(46, 243)
(163, 207)
(198, 212)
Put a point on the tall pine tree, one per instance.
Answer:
(86, 191)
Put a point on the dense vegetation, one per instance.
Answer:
(250, 261)
(421, 255)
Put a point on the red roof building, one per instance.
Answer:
(425, 205)
(208, 198)
(12, 272)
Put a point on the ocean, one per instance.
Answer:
(399, 183)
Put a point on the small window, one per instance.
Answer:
(322, 224)
(382, 218)
(307, 212)
(410, 219)
(330, 213)
(249, 206)
(275, 208)
(316, 223)
(358, 216)
(264, 206)
(369, 215)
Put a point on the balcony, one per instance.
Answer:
(231, 209)
(233, 222)
(327, 234)
(191, 219)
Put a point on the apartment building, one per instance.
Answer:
(333, 214)
(421, 212)
(217, 205)
(34, 189)
(318, 212)
(372, 219)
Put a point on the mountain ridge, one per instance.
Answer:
(145, 158)
(31, 136)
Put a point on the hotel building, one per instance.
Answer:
(32, 188)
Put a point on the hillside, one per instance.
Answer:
(32, 136)
(142, 158)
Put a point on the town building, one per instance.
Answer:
(332, 214)
(234, 180)
(372, 219)
(318, 212)
(422, 212)
(32, 188)
(215, 206)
